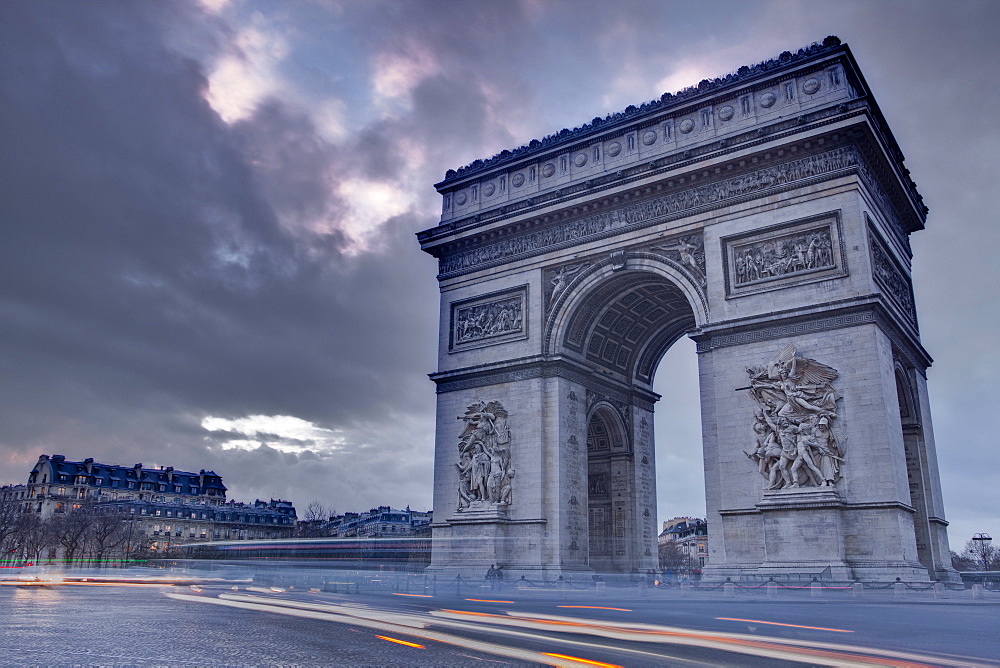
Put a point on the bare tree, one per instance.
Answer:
(983, 554)
(31, 537)
(70, 531)
(10, 517)
(675, 558)
(315, 521)
(106, 535)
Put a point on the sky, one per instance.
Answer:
(208, 212)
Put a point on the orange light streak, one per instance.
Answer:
(797, 626)
(49, 583)
(592, 607)
(586, 661)
(401, 642)
(413, 595)
(486, 600)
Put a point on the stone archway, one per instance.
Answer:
(767, 216)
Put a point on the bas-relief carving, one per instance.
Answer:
(792, 253)
(795, 445)
(689, 251)
(484, 467)
(488, 319)
(891, 277)
(783, 256)
(642, 213)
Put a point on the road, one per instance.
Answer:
(127, 624)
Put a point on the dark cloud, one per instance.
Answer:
(160, 265)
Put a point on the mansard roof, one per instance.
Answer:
(107, 472)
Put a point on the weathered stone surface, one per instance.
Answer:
(762, 213)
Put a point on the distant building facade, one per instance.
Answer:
(690, 535)
(9, 493)
(56, 485)
(381, 522)
(166, 506)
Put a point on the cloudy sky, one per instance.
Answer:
(208, 215)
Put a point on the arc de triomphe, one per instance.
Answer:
(766, 215)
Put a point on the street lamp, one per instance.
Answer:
(982, 543)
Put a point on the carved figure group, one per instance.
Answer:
(795, 445)
(486, 320)
(778, 257)
(484, 466)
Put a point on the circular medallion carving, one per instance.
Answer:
(548, 170)
(614, 148)
(648, 137)
(517, 180)
(686, 126)
(580, 160)
(811, 86)
(461, 199)
(767, 100)
(489, 189)
(726, 113)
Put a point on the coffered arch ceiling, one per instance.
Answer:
(626, 324)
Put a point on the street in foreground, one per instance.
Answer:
(222, 623)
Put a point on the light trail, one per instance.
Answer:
(413, 595)
(486, 600)
(796, 626)
(526, 627)
(591, 607)
(401, 642)
(585, 661)
(826, 654)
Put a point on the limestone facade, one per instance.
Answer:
(752, 213)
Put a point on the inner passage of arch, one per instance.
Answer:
(627, 325)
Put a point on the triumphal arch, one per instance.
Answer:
(766, 215)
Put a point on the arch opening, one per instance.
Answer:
(621, 327)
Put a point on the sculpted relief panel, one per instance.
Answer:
(484, 467)
(788, 254)
(793, 426)
(891, 277)
(494, 318)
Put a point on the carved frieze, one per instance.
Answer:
(489, 319)
(485, 473)
(779, 256)
(652, 210)
(795, 444)
(891, 277)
